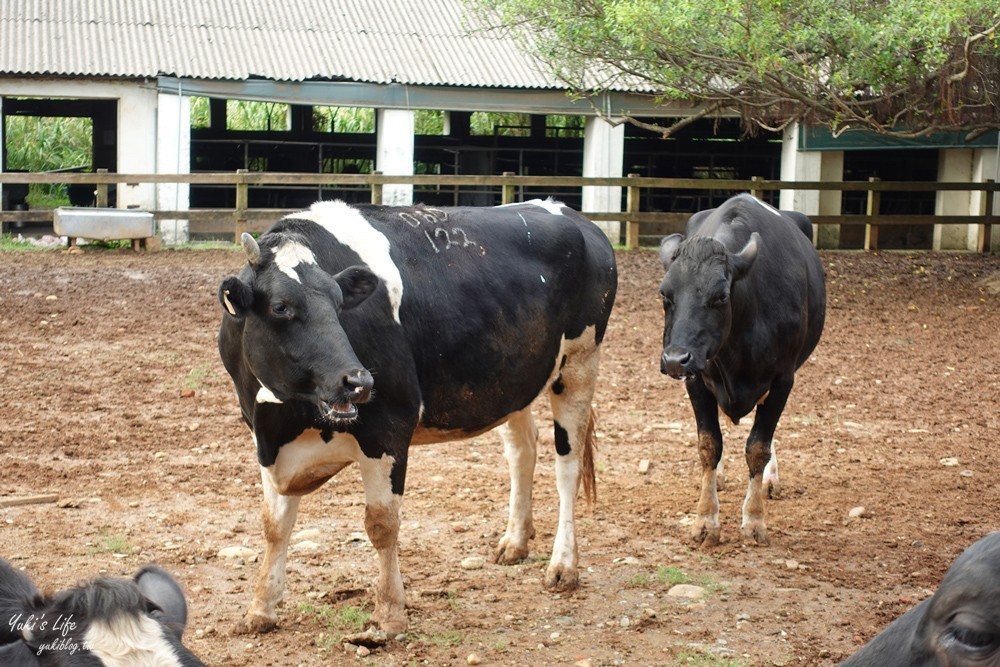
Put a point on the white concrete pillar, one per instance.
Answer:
(173, 130)
(603, 155)
(1, 144)
(799, 165)
(394, 152)
(955, 165)
(137, 136)
(986, 166)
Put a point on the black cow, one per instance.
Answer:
(354, 331)
(958, 626)
(107, 621)
(744, 302)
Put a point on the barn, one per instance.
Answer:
(134, 70)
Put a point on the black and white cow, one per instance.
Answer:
(744, 302)
(355, 331)
(958, 626)
(104, 622)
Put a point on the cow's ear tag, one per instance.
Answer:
(235, 297)
(229, 305)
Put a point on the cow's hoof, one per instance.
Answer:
(255, 624)
(755, 532)
(706, 535)
(508, 553)
(559, 579)
(391, 624)
(773, 489)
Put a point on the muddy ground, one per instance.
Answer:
(113, 399)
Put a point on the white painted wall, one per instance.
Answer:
(603, 155)
(394, 152)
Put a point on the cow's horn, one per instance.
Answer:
(251, 248)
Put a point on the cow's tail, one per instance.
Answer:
(587, 470)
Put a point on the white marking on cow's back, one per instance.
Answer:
(289, 255)
(550, 205)
(766, 206)
(130, 641)
(349, 227)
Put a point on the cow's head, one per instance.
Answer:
(700, 273)
(103, 621)
(293, 340)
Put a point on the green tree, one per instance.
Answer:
(907, 67)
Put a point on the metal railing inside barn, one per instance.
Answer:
(636, 222)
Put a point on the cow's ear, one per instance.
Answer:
(164, 597)
(743, 260)
(235, 296)
(667, 248)
(357, 283)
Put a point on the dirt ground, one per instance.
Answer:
(113, 398)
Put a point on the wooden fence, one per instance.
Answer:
(242, 218)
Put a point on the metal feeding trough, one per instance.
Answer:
(102, 224)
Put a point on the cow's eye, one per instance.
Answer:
(720, 300)
(668, 303)
(280, 309)
(971, 634)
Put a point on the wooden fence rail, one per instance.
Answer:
(242, 218)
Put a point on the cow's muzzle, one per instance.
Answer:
(678, 363)
(355, 388)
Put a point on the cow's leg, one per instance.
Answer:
(570, 396)
(278, 516)
(771, 484)
(519, 435)
(758, 454)
(706, 529)
(383, 481)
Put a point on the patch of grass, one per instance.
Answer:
(112, 544)
(446, 638)
(707, 660)
(638, 581)
(11, 242)
(668, 576)
(671, 576)
(196, 376)
(338, 619)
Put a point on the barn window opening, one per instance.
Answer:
(253, 116)
(347, 120)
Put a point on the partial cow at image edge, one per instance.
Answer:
(101, 621)
(958, 626)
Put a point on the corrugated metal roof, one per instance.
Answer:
(418, 42)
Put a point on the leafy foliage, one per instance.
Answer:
(910, 67)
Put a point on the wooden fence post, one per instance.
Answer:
(508, 191)
(985, 236)
(755, 188)
(102, 192)
(632, 206)
(871, 229)
(240, 214)
(377, 190)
